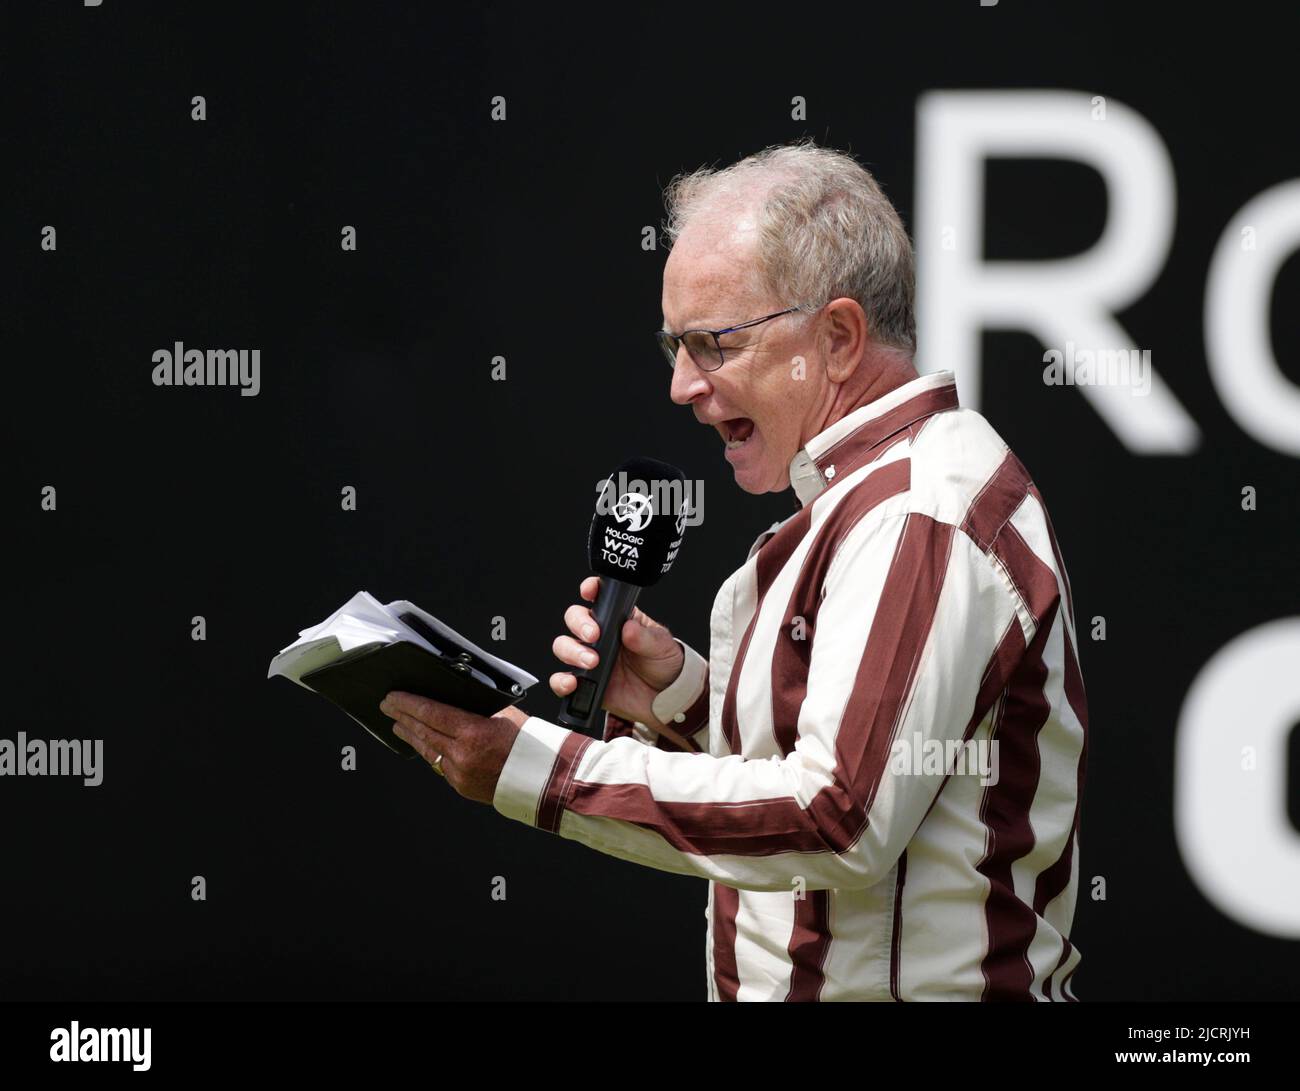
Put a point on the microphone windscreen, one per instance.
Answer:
(640, 519)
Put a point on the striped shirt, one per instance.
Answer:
(888, 739)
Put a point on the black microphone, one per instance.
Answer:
(634, 538)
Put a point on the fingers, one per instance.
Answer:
(574, 652)
(563, 684)
(427, 743)
(580, 623)
(434, 716)
(567, 650)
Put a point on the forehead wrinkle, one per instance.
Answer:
(717, 286)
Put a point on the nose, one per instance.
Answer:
(689, 382)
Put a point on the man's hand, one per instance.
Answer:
(473, 748)
(649, 659)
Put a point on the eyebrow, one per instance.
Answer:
(691, 326)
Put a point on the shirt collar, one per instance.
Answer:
(846, 443)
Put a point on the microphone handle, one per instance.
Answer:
(613, 606)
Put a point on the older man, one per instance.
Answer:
(879, 766)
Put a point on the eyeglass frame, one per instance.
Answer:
(663, 337)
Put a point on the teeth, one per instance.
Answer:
(730, 439)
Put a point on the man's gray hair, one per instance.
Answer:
(826, 230)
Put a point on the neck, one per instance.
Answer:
(879, 373)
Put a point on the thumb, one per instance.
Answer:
(651, 641)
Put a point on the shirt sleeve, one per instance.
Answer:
(914, 629)
(684, 706)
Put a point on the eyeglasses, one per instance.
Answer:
(703, 346)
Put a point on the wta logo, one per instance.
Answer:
(642, 512)
(635, 510)
(634, 502)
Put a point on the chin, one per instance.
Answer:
(757, 480)
(756, 470)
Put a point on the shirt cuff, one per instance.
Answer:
(672, 705)
(537, 779)
(618, 728)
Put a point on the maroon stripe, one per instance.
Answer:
(896, 943)
(560, 783)
(726, 977)
(1033, 579)
(917, 427)
(886, 673)
(1047, 981)
(866, 437)
(1002, 663)
(756, 827)
(1065, 981)
(835, 816)
(997, 501)
(697, 716)
(792, 658)
(847, 464)
(771, 558)
(1009, 922)
(810, 939)
(616, 728)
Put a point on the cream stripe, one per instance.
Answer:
(762, 960)
(754, 693)
(943, 897)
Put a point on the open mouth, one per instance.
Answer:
(736, 432)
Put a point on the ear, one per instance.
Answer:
(844, 337)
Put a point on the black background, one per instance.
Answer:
(522, 239)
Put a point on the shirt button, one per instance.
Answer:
(830, 472)
(679, 718)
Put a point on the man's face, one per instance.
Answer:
(758, 406)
